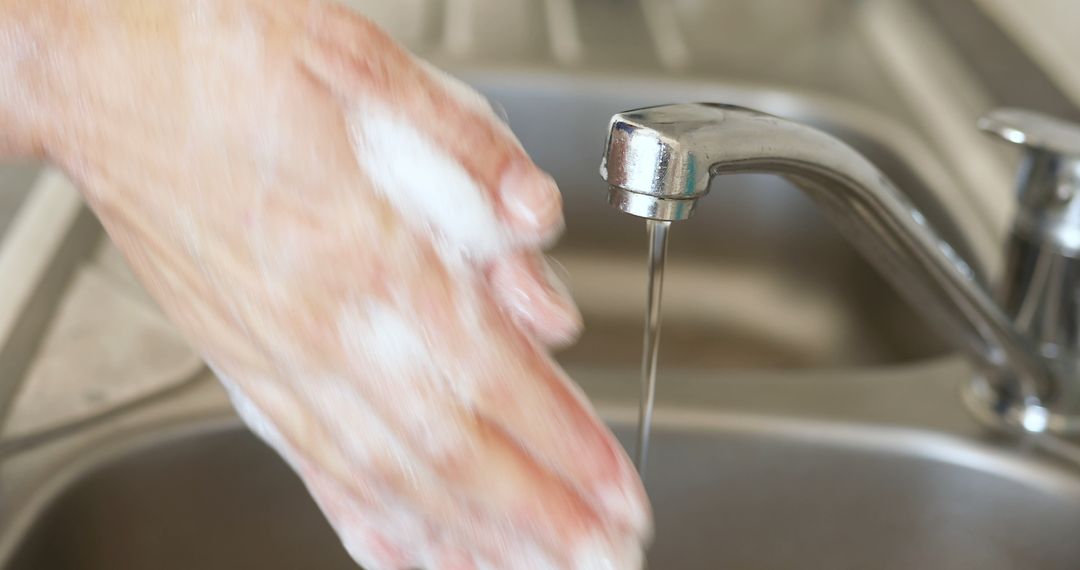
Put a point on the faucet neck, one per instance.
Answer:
(662, 157)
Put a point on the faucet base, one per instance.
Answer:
(1002, 411)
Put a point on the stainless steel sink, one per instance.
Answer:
(729, 492)
(789, 496)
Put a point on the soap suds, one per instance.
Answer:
(426, 185)
(379, 336)
(383, 341)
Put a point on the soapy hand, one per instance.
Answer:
(352, 241)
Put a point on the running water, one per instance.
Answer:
(658, 239)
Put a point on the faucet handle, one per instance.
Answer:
(1034, 130)
(1048, 182)
(1042, 270)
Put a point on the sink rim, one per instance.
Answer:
(956, 447)
(914, 443)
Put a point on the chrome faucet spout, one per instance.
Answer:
(659, 162)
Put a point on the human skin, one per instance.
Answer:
(352, 241)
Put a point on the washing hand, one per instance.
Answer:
(352, 240)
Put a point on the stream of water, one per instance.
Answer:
(658, 240)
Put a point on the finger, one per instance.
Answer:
(538, 302)
(450, 557)
(342, 53)
(535, 402)
(509, 379)
(357, 523)
(358, 512)
(530, 202)
(464, 478)
(485, 497)
(388, 506)
(417, 443)
(499, 475)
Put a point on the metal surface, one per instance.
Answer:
(1042, 270)
(1048, 183)
(15, 182)
(672, 152)
(1039, 292)
(729, 491)
(1046, 234)
(1038, 132)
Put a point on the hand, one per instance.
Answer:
(352, 241)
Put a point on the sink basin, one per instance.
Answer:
(757, 279)
(729, 492)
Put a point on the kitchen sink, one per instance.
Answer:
(729, 492)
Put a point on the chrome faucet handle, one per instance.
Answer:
(1034, 130)
(1048, 184)
(1042, 274)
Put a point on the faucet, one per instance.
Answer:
(659, 162)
